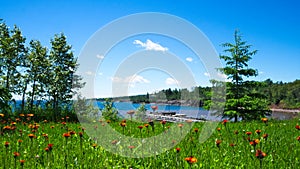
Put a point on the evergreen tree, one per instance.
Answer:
(241, 100)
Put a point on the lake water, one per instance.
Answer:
(194, 112)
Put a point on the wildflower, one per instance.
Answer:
(298, 138)
(63, 123)
(248, 133)
(45, 121)
(130, 147)
(50, 146)
(163, 122)
(265, 120)
(196, 130)
(16, 154)
(31, 136)
(254, 142)
(22, 162)
(258, 131)
(146, 125)
(224, 122)
(219, 129)
(80, 134)
(218, 142)
(236, 132)
(94, 145)
(231, 144)
(66, 135)
(72, 133)
(6, 144)
(260, 155)
(20, 141)
(108, 121)
(45, 136)
(122, 124)
(30, 115)
(191, 159)
(1, 115)
(114, 142)
(21, 115)
(47, 149)
(51, 127)
(177, 150)
(140, 127)
(265, 136)
(180, 125)
(297, 127)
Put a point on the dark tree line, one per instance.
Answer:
(43, 78)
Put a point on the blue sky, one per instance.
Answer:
(272, 27)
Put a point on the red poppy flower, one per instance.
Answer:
(20, 141)
(80, 134)
(196, 130)
(260, 155)
(140, 127)
(297, 127)
(177, 150)
(298, 138)
(47, 149)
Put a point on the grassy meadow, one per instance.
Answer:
(64, 144)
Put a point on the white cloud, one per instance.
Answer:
(189, 59)
(100, 57)
(206, 74)
(131, 80)
(171, 81)
(149, 45)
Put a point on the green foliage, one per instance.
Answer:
(242, 101)
(140, 113)
(36, 75)
(109, 112)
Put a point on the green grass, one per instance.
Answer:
(281, 147)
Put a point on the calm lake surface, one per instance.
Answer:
(195, 112)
